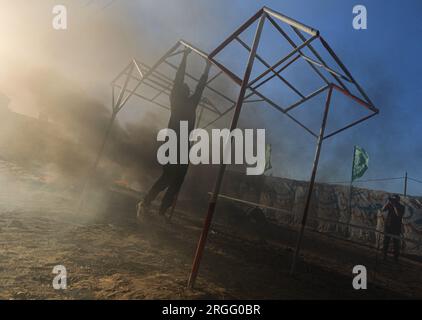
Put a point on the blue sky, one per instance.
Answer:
(385, 59)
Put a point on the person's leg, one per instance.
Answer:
(173, 190)
(386, 245)
(162, 183)
(157, 187)
(396, 243)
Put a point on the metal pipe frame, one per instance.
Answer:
(213, 201)
(285, 58)
(293, 44)
(312, 181)
(277, 74)
(151, 100)
(162, 77)
(373, 110)
(245, 84)
(318, 56)
(162, 88)
(169, 83)
(345, 70)
(293, 23)
(328, 69)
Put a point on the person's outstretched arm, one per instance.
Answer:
(385, 207)
(201, 84)
(180, 75)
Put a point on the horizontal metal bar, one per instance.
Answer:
(271, 103)
(318, 56)
(276, 106)
(196, 79)
(166, 84)
(220, 116)
(176, 53)
(167, 91)
(302, 125)
(146, 98)
(253, 101)
(207, 101)
(307, 42)
(156, 73)
(219, 73)
(292, 22)
(345, 70)
(228, 110)
(313, 94)
(414, 180)
(279, 71)
(169, 84)
(266, 64)
(358, 100)
(290, 213)
(362, 181)
(326, 68)
(230, 74)
(350, 125)
(196, 50)
(159, 94)
(242, 28)
(293, 44)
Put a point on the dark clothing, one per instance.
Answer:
(394, 219)
(183, 108)
(393, 225)
(396, 246)
(171, 178)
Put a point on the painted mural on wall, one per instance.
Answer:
(329, 204)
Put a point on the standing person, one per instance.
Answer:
(183, 108)
(393, 224)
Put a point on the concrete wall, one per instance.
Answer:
(328, 202)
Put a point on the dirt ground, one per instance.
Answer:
(108, 255)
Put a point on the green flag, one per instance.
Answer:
(268, 165)
(360, 163)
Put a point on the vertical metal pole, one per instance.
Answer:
(349, 207)
(405, 185)
(214, 197)
(312, 181)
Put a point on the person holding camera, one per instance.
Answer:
(393, 225)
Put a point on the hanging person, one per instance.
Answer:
(183, 108)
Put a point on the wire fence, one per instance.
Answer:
(405, 180)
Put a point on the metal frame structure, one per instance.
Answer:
(249, 88)
(316, 64)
